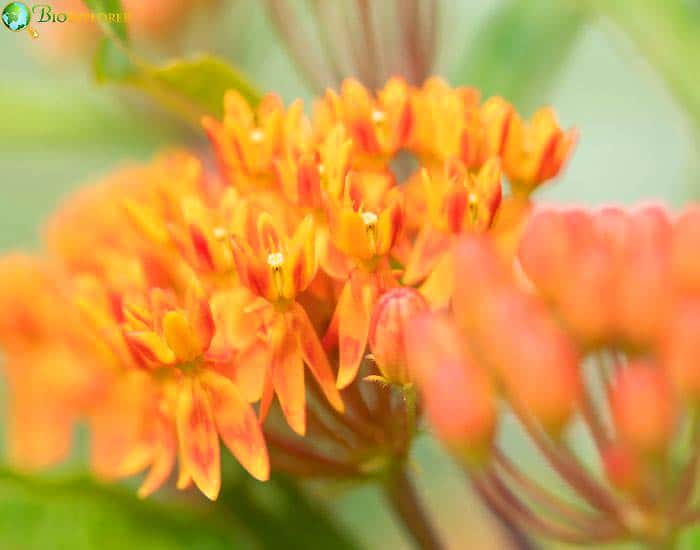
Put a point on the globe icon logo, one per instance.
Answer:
(16, 16)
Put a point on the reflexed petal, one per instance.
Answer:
(288, 382)
(353, 329)
(315, 357)
(199, 443)
(237, 425)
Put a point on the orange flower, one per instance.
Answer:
(247, 142)
(535, 151)
(457, 202)
(175, 344)
(378, 126)
(277, 268)
(446, 124)
(365, 226)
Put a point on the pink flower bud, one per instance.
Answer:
(387, 331)
(457, 394)
(643, 408)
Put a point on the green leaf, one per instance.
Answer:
(111, 26)
(78, 514)
(521, 48)
(196, 87)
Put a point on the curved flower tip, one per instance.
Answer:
(644, 387)
(458, 395)
(537, 150)
(387, 332)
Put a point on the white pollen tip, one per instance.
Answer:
(370, 218)
(378, 116)
(275, 259)
(257, 136)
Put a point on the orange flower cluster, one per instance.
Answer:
(175, 302)
(598, 320)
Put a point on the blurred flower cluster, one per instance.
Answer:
(176, 304)
(596, 320)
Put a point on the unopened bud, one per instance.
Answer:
(685, 256)
(643, 407)
(387, 338)
(458, 395)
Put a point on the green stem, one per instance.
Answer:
(404, 500)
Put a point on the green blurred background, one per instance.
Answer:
(621, 71)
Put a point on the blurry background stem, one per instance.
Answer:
(405, 503)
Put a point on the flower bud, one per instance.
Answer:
(457, 394)
(622, 467)
(643, 292)
(680, 349)
(643, 407)
(685, 259)
(387, 331)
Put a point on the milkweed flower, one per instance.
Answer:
(595, 320)
(182, 302)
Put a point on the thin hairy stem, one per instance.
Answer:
(541, 496)
(570, 470)
(405, 502)
(507, 504)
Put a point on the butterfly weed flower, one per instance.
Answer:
(202, 293)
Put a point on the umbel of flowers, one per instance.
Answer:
(176, 306)
(597, 320)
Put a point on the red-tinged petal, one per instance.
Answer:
(269, 234)
(332, 260)
(268, 393)
(288, 381)
(301, 264)
(251, 369)
(238, 426)
(353, 329)
(202, 321)
(429, 247)
(315, 357)
(390, 224)
(163, 462)
(150, 347)
(199, 443)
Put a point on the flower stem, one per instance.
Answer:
(403, 499)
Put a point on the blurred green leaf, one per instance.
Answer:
(668, 34)
(281, 515)
(521, 48)
(112, 63)
(196, 86)
(189, 87)
(111, 26)
(77, 514)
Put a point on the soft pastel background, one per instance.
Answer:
(617, 73)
